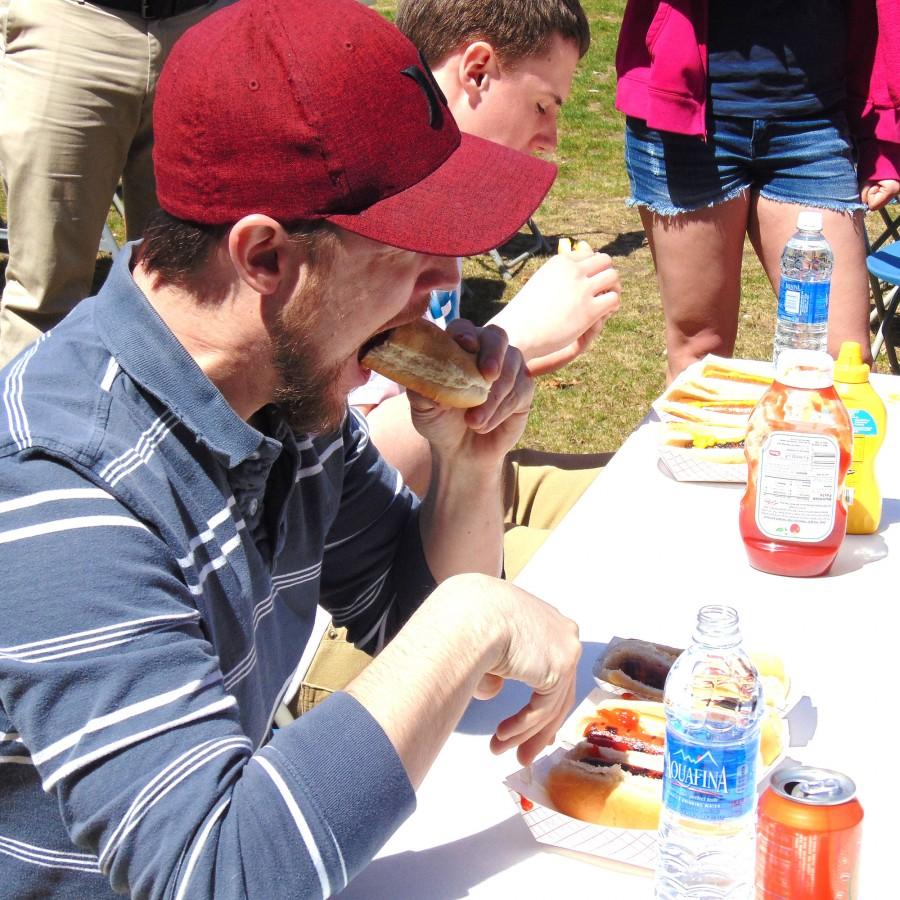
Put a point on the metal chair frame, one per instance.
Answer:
(509, 267)
(884, 279)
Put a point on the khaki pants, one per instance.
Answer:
(540, 488)
(77, 82)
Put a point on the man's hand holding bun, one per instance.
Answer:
(480, 435)
(464, 366)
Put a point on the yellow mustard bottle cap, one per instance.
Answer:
(849, 368)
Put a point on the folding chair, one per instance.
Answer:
(884, 277)
(509, 267)
(891, 226)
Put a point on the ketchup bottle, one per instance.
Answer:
(793, 515)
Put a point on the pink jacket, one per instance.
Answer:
(661, 63)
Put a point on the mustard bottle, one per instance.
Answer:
(868, 416)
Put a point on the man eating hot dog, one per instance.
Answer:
(506, 69)
(181, 483)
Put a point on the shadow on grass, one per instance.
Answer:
(482, 298)
(624, 244)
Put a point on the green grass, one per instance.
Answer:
(593, 404)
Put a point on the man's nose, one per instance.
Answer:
(441, 274)
(545, 142)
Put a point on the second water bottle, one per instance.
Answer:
(806, 265)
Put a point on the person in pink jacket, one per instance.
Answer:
(737, 116)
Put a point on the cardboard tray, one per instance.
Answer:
(683, 464)
(631, 846)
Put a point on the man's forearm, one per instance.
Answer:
(418, 687)
(461, 518)
(393, 433)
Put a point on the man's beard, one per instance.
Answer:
(309, 391)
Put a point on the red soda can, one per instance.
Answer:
(809, 829)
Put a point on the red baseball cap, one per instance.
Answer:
(321, 109)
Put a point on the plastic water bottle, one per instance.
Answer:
(713, 703)
(806, 265)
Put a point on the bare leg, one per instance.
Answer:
(698, 268)
(772, 224)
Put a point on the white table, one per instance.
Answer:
(636, 557)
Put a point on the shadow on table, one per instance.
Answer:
(858, 551)
(803, 719)
(890, 512)
(483, 716)
(446, 872)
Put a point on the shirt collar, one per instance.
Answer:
(147, 350)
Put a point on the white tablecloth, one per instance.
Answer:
(636, 557)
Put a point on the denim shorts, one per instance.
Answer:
(807, 160)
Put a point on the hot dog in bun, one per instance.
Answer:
(711, 442)
(638, 666)
(614, 776)
(641, 667)
(424, 358)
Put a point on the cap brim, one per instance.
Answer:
(475, 201)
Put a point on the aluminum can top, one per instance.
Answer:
(813, 786)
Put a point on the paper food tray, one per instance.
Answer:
(682, 463)
(632, 846)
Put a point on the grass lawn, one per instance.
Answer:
(593, 404)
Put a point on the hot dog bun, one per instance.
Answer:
(614, 776)
(734, 370)
(699, 391)
(638, 666)
(423, 358)
(606, 795)
(723, 444)
(641, 667)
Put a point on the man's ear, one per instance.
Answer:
(478, 67)
(259, 249)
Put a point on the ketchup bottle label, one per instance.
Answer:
(709, 782)
(797, 490)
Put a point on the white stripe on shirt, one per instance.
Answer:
(121, 715)
(86, 645)
(141, 453)
(50, 859)
(18, 649)
(323, 456)
(89, 758)
(30, 531)
(167, 780)
(16, 760)
(112, 369)
(52, 496)
(12, 398)
(302, 826)
(205, 536)
(245, 665)
(197, 849)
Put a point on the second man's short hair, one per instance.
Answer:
(515, 28)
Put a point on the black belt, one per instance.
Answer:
(153, 9)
